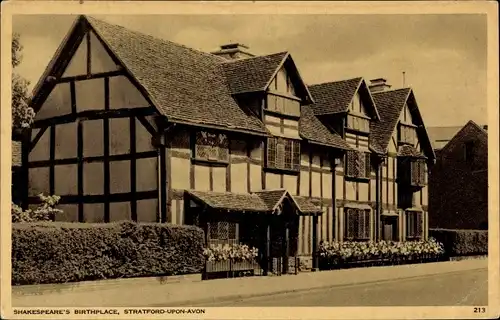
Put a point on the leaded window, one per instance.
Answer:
(283, 154)
(357, 164)
(418, 176)
(222, 232)
(212, 146)
(357, 224)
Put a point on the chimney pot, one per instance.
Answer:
(233, 51)
(379, 84)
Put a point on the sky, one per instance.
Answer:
(444, 56)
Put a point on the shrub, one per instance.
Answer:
(57, 252)
(462, 242)
(46, 211)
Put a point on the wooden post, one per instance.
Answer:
(315, 243)
(267, 249)
(287, 248)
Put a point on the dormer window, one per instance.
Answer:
(358, 123)
(283, 105)
(407, 134)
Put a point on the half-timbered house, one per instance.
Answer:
(133, 127)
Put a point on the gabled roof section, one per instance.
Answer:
(256, 74)
(335, 97)
(185, 85)
(313, 130)
(481, 133)
(252, 74)
(440, 136)
(390, 104)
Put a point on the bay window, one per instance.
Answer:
(283, 105)
(407, 134)
(358, 123)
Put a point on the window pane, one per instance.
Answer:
(271, 152)
(288, 154)
(280, 154)
(296, 155)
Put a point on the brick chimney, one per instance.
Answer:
(233, 51)
(379, 84)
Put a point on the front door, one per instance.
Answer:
(390, 229)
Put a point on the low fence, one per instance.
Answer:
(335, 263)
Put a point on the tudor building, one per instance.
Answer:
(132, 127)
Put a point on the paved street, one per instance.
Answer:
(463, 288)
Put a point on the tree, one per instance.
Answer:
(22, 113)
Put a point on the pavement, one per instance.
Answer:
(460, 288)
(218, 291)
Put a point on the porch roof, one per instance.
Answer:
(265, 201)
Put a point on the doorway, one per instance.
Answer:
(390, 228)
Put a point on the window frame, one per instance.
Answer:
(289, 151)
(219, 226)
(403, 129)
(418, 165)
(362, 221)
(360, 118)
(363, 173)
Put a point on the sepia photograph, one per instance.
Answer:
(165, 164)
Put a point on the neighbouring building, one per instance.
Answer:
(132, 127)
(458, 183)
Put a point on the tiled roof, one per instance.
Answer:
(409, 151)
(271, 197)
(440, 136)
(252, 74)
(306, 206)
(232, 201)
(16, 154)
(261, 201)
(333, 97)
(389, 104)
(311, 128)
(186, 85)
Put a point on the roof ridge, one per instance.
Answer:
(226, 61)
(336, 81)
(155, 38)
(391, 90)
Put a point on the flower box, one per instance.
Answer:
(218, 266)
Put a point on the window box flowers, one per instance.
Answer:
(234, 257)
(342, 254)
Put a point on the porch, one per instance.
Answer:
(251, 234)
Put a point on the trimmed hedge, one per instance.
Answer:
(58, 252)
(461, 242)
